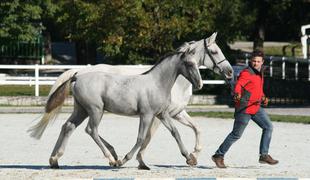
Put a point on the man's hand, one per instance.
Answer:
(237, 98)
(265, 101)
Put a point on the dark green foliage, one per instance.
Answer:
(141, 31)
(22, 20)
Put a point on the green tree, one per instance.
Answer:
(135, 31)
(140, 31)
(22, 20)
(277, 20)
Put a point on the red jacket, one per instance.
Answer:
(249, 85)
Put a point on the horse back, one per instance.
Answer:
(115, 93)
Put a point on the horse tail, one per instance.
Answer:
(62, 78)
(57, 96)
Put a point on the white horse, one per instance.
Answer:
(146, 95)
(207, 54)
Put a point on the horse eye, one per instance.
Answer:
(190, 63)
(214, 52)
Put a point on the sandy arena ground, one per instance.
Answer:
(22, 157)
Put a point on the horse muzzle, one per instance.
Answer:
(198, 85)
(229, 73)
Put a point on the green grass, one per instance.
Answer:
(213, 114)
(277, 51)
(23, 90)
(277, 118)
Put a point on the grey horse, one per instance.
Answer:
(207, 54)
(147, 95)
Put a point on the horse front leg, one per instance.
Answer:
(167, 121)
(153, 127)
(145, 122)
(186, 120)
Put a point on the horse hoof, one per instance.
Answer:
(192, 161)
(143, 167)
(117, 163)
(113, 164)
(53, 164)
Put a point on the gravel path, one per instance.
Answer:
(24, 158)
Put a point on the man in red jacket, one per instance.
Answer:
(248, 98)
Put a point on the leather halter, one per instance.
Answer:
(215, 64)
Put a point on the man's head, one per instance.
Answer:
(257, 59)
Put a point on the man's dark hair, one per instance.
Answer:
(258, 53)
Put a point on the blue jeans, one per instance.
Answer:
(241, 121)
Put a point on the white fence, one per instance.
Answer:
(270, 60)
(38, 80)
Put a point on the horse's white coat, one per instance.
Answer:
(181, 90)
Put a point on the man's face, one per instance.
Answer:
(257, 62)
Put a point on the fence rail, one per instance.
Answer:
(277, 67)
(38, 80)
(284, 65)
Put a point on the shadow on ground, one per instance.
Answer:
(40, 167)
(182, 167)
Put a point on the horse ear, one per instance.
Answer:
(183, 46)
(214, 35)
(187, 51)
(212, 38)
(192, 51)
(184, 53)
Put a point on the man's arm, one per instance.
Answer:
(242, 81)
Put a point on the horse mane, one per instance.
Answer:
(162, 59)
(185, 46)
(179, 50)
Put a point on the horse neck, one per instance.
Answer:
(200, 57)
(166, 72)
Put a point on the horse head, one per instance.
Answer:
(208, 54)
(214, 58)
(190, 69)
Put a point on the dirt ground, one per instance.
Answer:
(22, 157)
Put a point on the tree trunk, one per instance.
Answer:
(86, 52)
(259, 32)
(47, 47)
(259, 38)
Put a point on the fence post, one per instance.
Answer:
(283, 67)
(270, 68)
(41, 49)
(42, 59)
(36, 76)
(246, 59)
(296, 69)
(309, 69)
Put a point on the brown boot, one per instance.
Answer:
(219, 160)
(267, 159)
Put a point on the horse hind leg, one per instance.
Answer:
(153, 127)
(92, 130)
(110, 148)
(76, 118)
(145, 121)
